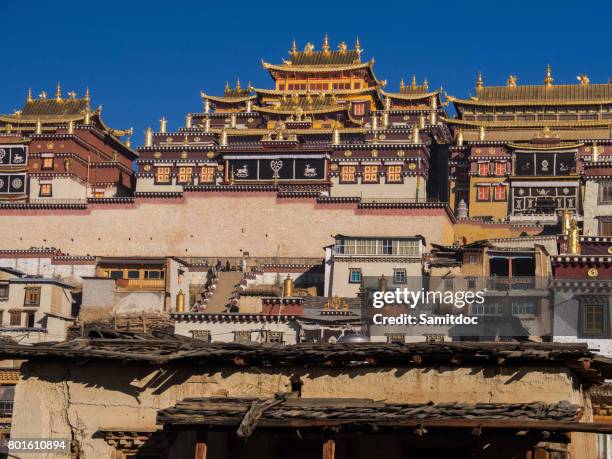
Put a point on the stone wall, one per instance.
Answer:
(214, 224)
(73, 401)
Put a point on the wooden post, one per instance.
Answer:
(201, 445)
(329, 449)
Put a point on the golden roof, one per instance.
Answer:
(566, 94)
(538, 123)
(338, 92)
(325, 56)
(295, 104)
(405, 96)
(232, 95)
(323, 68)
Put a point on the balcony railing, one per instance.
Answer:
(516, 283)
(144, 284)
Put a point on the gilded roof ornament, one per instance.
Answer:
(511, 81)
(479, 81)
(342, 47)
(42, 95)
(358, 46)
(325, 47)
(309, 48)
(414, 83)
(238, 88)
(425, 84)
(548, 79)
(402, 84)
(29, 97)
(293, 47)
(584, 80)
(87, 94)
(72, 94)
(58, 92)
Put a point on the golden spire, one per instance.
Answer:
(425, 84)
(342, 47)
(293, 47)
(548, 79)
(58, 92)
(43, 95)
(87, 93)
(573, 239)
(227, 87)
(414, 83)
(38, 127)
(29, 97)
(325, 47)
(72, 94)
(163, 125)
(358, 46)
(401, 84)
(238, 88)
(149, 137)
(479, 81)
(511, 81)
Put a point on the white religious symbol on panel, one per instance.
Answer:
(276, 166)
(243, 172)
(310, 171)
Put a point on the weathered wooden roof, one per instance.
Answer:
(282, 412)
(166, 350)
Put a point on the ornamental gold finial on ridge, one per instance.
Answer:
(584, 80)
(479, 81)
(29, 96)
(58, 92)
(293, 47)
(548, 79)
(325, 47)
(511, 81)
(414, 83)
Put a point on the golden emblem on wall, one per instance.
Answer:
(382, 137)
(348, 153)
(184, 155)
(220, 167)
(374, 153)
(157, 154)
(587, 149)
(610, 250)
(336, 303)
(250, 120)
(401, 153)
(333, 167)
(412, 166)
(169, 139)
(593, 272)
(196, 139)
(147, 167)
(50, 145)
(406, 118)
(491, 150)
(210, 154)
(478, 150)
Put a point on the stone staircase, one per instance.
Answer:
(227, 282)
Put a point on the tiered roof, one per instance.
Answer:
(413, 91)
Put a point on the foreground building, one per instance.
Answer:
(177, 398)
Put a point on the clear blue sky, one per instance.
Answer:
(143, 60)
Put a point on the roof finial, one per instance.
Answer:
(479, 81)
(414, 83)
(58, 92)
(29, 97)
(342, 47)
(548, 79)
(584, 80)
(511, 81)
(325, 46)
(87, 93)
(358, 46)
(401, 84)
(227, 87)
(238, 84)
(425, 84)
(293, 47)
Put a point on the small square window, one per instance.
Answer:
(15, 319)
(355, 276)
(47, 163)
(483, 169)
(484, 193)
(399, 276)
(46, 190)
(32, 296)
(594, 316)
(133, 274)
(4, 291)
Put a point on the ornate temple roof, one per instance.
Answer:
(546, 94)
(57, 109)
(232, 95)
(316, 103)
(323, 60)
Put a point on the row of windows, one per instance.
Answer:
(498, 168)
(498, 192)
(241, 336)
(318, 86)
(399, 276)
(401, 247)
(134, 273)
(15, 319)
(370, 174)
(32, 295)
(185, 174)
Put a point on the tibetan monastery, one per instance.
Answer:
(58, 152)
(521, 151)
(327, 128)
